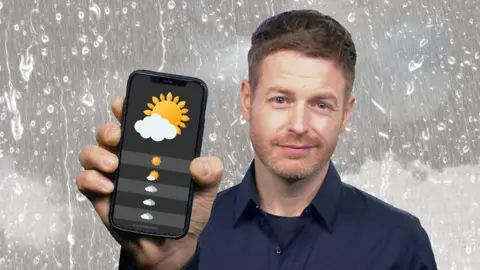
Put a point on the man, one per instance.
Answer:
(291, 211)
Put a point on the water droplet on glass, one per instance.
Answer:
(88, 99)
(50, 108)
(85, 50)
(465, 149)
(242, 120)
(47, 90)
(204, 17)
(124, 10)
(426, 134)
(1, 5)
(16, 27)
(32, 123)
(451, 60)
(18, 189)
(37, 216)
(351, 17)
(96, 10)
(100, 39)
(17, 127)
(423, 42)
(171, 4)
(65, 78)
(44, 52)
(414, 65)
(44, 38)
(81, 197)
(48, 125)
(26, 66)
(107, 10)
(410, 87)
(48, 180)
(36, 260)
(184, 4)
(58, 16)
(441, 126)
(134, 4)
(81, 15)
(74, 51)
(220, 28)
(213, 137)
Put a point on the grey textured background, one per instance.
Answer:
(413, 140)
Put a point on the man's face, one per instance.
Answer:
(296, 113)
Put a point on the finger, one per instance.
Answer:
(117, 107)
(207, 173)
(98, 158)
(108, 135)
(93, 182)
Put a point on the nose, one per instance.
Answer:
(298, 119)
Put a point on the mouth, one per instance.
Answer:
(296, 149)
(297, 146)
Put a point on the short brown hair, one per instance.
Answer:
(309, 32)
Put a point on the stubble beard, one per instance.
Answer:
(290, 170)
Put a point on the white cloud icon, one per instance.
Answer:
(155, 127)
(150, 178)
(149, 202)
(151, 189)
(147, 216)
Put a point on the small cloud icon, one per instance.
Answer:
(150, 178)
(151, 189)
(155, 127)
(149, 202)
(147, 216)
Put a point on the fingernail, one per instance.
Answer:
(107, 184)
(202, 165)
(110, 161)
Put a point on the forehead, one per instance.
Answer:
(300, 73)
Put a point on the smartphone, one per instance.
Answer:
(162, 131)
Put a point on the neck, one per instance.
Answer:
(283, 198)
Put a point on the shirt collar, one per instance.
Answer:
(324, 203)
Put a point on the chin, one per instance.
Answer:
(293, 169)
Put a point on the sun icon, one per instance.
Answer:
(169, 108)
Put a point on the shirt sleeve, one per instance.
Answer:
(422, 256)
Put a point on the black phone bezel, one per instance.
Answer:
(172, 79)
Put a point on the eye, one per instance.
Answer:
(323, 105)
(279, 100)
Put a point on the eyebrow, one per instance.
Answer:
(288, 92)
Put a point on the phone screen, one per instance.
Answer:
(161, 127)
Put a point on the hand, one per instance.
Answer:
(150, 252)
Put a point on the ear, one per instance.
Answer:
(347, 112)
(246, 98)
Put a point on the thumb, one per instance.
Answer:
(207, 174)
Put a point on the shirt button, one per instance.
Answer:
(278, 250)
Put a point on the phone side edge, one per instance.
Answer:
(198, 150)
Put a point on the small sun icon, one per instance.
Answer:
(169, 108)
(156, 161)
(153, 176)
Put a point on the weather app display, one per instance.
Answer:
(161, 129)
(164, 119)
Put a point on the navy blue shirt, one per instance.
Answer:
(343, 228)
